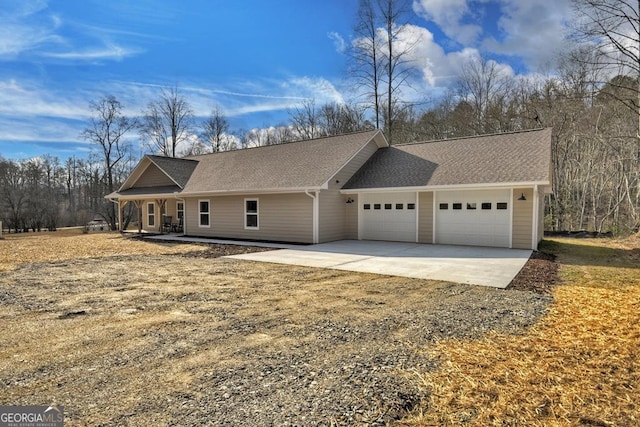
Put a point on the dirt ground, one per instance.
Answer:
(126, 332)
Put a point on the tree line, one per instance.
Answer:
(592, 101)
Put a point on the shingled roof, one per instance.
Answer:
(516, 157)
(297, 165)
(179, 170)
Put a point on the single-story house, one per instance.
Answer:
(484, 190)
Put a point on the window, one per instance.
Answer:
(151, 214)
(486, 206)
(251, 213)
(203, 213)
(457, 206)
(387, 205)
(444, 206)
(180, 210)
(399, 206)
(376, 206)
(501, 206)
(411, 206)
(471, 206)
(367, 206)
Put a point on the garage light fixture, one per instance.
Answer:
(522, 197)
(350, 200)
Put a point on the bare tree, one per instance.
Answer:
(485, 86)
(167, 122)
(216, 132)
(613, 26)
(305, 121)
(107, 128)
(367, 57)
(381, 57)
(396, 58)
(336, 119)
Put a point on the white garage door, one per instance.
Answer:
(388, 216)
(477, 218)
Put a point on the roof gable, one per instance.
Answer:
(155, 171)
(488, 159)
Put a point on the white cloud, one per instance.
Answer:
(47, 130)
(32, 100)
(317, 88)
(533, 30)
(338, 41)
(112, 52)
(449, 16)
(28, 27)
(24, 26)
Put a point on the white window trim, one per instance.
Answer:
(257, 213)
(201, 212)
(178, 210)
(149, 215)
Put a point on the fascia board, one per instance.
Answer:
(445, 187)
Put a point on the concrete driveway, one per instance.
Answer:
(462, 264)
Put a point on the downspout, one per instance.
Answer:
(510, 218)
(316, 212)
(534, 234)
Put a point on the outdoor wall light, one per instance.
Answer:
(350, 200)
(522, 197)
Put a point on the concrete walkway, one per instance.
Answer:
(494, 267)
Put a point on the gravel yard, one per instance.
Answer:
(186, 337)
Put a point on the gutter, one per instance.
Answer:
(453, 187)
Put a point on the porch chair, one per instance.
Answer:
(166, 223)
(179, 227)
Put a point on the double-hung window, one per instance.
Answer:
(151, 214)
(180, 210)
(204, 214)
(251, 213)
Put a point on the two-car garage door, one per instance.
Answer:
(474, 217)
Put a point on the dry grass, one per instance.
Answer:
(578, 366)
(16, 249)
(120, 335)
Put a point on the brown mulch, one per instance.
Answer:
(539, 274)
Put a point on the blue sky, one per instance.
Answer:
(255, 59)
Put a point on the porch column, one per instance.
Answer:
(139, 204)
(161, 208)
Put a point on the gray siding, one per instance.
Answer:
(153, 177)
(333, 205)
(425, 217)
(522, 219)
(282, 217)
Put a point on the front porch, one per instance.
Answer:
(153, 216)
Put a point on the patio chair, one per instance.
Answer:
(178, 228)
(166, 223)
